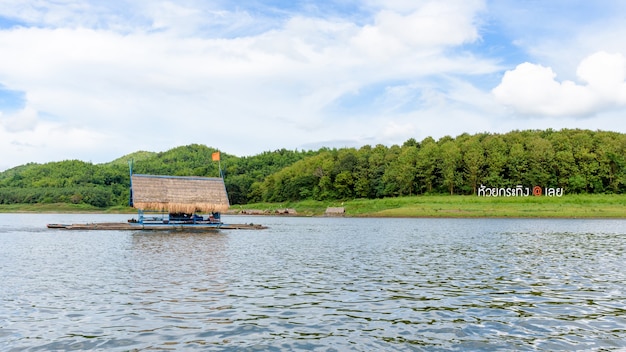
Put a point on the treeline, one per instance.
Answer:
(104, 185)
(580, 161)
(70, 181)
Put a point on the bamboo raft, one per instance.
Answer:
(179, 199)
(159, 227)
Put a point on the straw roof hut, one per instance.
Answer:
(179, 194)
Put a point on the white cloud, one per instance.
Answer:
(47, 141)
(119, 76)
(427, 29)
(559, 33)
(394, 131)
(24, 120)
(95, 78)
(532, 89)
(605, 74)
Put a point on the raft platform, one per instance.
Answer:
(155, 226)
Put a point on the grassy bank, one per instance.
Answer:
(568, 206)
(62, 208)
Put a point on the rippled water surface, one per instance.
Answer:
(315, 284)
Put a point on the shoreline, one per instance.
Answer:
(361, 216)
(423, 206)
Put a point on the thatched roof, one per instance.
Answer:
(178, 194)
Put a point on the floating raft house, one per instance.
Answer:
(179, 194)
(173, 202)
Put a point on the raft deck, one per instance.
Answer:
(155, 226)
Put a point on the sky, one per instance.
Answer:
(95, 80)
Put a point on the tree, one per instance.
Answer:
(450, 160)
(362, 182)
(401, 174)
(428, 157)
(344, 183)
(495, 160)
(517, 165)
(473, 160)
(377, 164)
(540, 162)
(584, 154)
(564, 163)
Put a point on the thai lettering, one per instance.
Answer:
(518, 191)
(554, 192)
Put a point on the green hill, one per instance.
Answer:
(136, 156)
(572, 160)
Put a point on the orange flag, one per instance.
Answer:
(215, 156)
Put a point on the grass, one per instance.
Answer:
(568, 206)
(61, 208)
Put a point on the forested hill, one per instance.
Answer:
(579, 161)
(103, 185)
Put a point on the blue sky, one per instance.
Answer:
(94, 80)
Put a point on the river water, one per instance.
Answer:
(323, 284)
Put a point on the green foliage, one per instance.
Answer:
(580, 161)
(106, 185)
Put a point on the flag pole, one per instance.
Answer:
(131, 162)
(216, 156)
